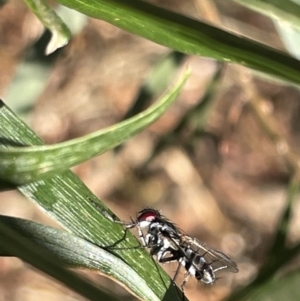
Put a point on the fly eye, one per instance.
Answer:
(148, 215)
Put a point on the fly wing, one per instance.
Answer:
(215, 258)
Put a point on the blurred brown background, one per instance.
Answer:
(223, 181)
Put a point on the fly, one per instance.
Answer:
(168, 243)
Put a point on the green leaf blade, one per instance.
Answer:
(67, 250)
(68, 201)
(59, 30)
(25, 164)
(188, 35)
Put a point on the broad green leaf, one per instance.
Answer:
(67, 200)
(26, 164)
(66, 250)
(188, 35)
(60, 32)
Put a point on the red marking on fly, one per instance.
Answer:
(148, 215)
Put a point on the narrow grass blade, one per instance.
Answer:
(67, 200)
(59, 30)
(25, 164)
(21, 246)
(72, 252)
(189, 36)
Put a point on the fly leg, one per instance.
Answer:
(130, 225)
(126, 225)
(144, 239)
(186, 278)
(170, 258)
